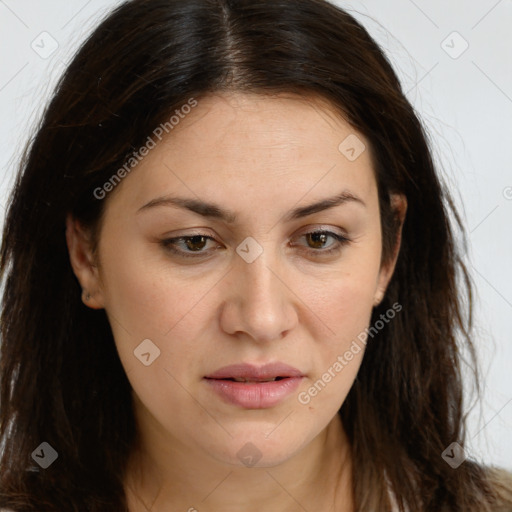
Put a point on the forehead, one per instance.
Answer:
(285, 125)
(254, 147)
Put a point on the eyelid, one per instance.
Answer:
(321, 228)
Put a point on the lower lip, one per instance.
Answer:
(257, 395)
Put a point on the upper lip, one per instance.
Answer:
(253, 372)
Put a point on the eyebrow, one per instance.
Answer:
(212, 210)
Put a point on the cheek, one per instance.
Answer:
(345, 310)
(344, 306)
(343, 299)
(145, 302)
(143, 295)
(148, 300)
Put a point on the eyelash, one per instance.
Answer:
(169, 244)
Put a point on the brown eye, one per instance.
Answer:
(195, 243)
(318, 242)
(195, 246)
(317, 239)
(189, 246)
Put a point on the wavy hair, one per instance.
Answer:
(61, 378)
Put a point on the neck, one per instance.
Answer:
(167, 476)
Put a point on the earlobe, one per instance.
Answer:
(83, 263)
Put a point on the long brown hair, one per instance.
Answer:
(61, 378)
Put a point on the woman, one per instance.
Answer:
(226, 206)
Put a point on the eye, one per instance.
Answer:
(193, 246)
(316, 241)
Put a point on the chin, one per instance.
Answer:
(256, 451)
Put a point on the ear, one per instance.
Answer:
(399, 207)
(83, 263)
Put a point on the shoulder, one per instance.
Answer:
(501, 482)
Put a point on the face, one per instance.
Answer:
(212, 269)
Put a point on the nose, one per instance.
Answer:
(260, 302)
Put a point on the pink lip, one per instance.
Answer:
(256, 394)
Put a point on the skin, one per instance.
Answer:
(259, 156)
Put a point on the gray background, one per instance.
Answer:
(463, 95)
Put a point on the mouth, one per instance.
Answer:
(251, 373)
(252, 381)
(252, 387)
